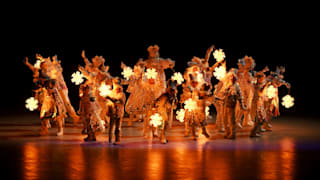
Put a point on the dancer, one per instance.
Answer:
(116, 110)
(231, 94)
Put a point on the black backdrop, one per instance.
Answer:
(267, 46)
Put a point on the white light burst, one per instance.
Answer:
(32, 103)
(219, 55)
(77, 78)
(190, 104)
(177, 76)
(180, 115)
(151, 73)
(271, 92)
(220, 72)
(287, 101)
(105, 90)
(156, 120)
(127, 72)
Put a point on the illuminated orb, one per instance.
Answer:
(220, 72)
(105, 90)
(156, 120)
(127, 73)
(151, 73)
(287, 101)
(177, 76)
(190, 104)
(219, 55)
(32, 103)
(77, 78)
(180, 115)
(271, 92)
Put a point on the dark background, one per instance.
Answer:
(301, 71)
(272, 37)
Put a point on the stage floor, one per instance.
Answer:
(291, 151)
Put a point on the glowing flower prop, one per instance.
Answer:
(190, 104)
(177, 76)
(77, 78)
(271, 92)
(219, 55)
(151, 73)
(180, 115)
(207, 111)
(32, 103)
(105, 90)
(127, 72)
(156, 120)
(220, 72)
(287, 101)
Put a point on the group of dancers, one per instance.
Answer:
(242, 97)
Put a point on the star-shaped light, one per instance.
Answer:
(127, 72)
(220, 72)
(180, 115)
(32, 103)
(190, 104)
(77, 78)
(287, 101)
(177, 76)
(219, 55)
(151, 73)
(105, 90)
(156, 120)
(271, 92)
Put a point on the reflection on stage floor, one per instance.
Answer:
(291, 151)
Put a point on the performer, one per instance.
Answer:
(258, 106)
(156, 85)
(53, 70)
(193, 83)
(52, 108)
(272, 105)
(163, 106)
(89, 112)
(246, 81)
(198, 87)
(159, 64)
(231, 94)
(219, 105)
(99, 75)
(150, 85)
(136, 103)
(47, 93)
(203, 103)
(116, 111)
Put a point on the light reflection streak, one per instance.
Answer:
(31, 161)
